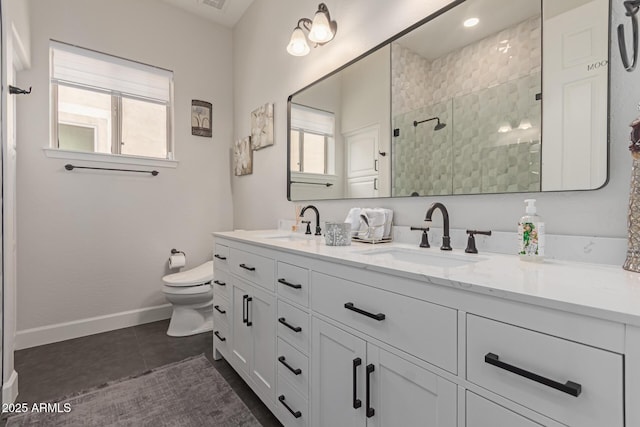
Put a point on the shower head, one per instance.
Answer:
(438, 126)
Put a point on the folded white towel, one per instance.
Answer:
(377, 221)
(353, 218)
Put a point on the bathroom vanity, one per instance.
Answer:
(395, 335)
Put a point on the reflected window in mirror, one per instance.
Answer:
(312, 140)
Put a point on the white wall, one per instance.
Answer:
(261, 38)
(97, 243)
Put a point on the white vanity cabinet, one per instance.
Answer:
(356, 383)
(327, 339)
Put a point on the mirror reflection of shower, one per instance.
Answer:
(438, 126)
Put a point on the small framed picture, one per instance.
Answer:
(201, 118)
(243, 157)
(262, 126)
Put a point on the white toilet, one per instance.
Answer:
(191, 294)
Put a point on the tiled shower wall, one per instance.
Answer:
(484, 86)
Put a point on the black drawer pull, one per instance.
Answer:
(293, 328)
(370, 411)
(219, 283)
(247, 267)
(350, 306)
(217, 307)
(296, 414)
(220, 257)
(356, 402)
(296, 371)
(216, 333)
(291, 285)
(574, 389)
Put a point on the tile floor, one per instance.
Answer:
(50, 372)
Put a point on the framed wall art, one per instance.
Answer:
(262, 126)
(243, 157)
(201, 118)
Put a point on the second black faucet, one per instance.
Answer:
(313, 208)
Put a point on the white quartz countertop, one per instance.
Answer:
(598, 290)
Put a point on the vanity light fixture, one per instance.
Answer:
(471, 22)
(321, 31)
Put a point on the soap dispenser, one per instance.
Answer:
(531, 236)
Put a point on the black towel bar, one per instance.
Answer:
(71, 167)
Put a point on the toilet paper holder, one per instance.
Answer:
(175, 251)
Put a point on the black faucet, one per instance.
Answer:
(313, 208)
(446, 239)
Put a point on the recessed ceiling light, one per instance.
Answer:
(471, 22)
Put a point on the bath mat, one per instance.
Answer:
(183, 394)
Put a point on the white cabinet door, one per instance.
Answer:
(261, 311)
(241, 341)
(483, 413)
(338, 362)
(404, 394)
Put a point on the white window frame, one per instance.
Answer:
(115, 156)
(311, 126)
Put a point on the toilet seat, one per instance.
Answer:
(187, 290)
(193, 277)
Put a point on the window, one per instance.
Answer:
(312, 140)
(106, 104)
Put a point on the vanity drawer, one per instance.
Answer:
(484, 413)
(293, 326)
(220, 283)
(221, 311)
(292, 407)
(590, 379)
(221, 337)
(220, 257)
(294, 366)
(253, 267)
(293, 283)
(425, 330)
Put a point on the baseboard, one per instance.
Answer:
(93, 325)
(10, 389)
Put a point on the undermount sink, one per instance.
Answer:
(424, 257)
(288, 237)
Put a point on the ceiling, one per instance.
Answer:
(495, 15)
(224, 12)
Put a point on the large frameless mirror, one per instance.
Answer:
(477, 100)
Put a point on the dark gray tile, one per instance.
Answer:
(53, 371)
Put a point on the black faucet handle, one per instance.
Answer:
(308, 226)
(471, 241)
(424, 243)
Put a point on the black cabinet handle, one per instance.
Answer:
(291, 285)
(219, 283)
(247, 267)
(296, 371)
(296, 414)
(574, 389)
(219, 337)
(220, 257)
(293, 328)
(244, 308)
(350, 306)
(370, 411)
(217, 307)
(249, 299)
(356, 402)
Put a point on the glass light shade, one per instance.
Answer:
(298, 44)
(504, 127)
(320, 28)
(524, 124)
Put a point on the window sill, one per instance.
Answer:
(121, 159)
